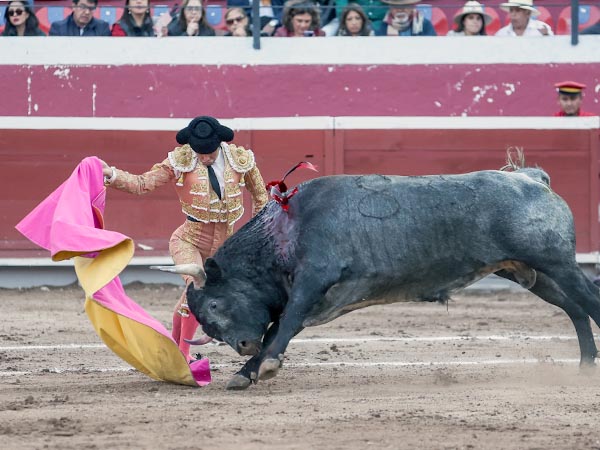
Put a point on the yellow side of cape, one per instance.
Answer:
(141, 346)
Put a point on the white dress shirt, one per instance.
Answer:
(219, 167)
(532, 29)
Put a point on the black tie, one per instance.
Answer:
(214, 183)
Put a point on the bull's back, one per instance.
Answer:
(383, 222)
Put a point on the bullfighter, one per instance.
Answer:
(208, 174)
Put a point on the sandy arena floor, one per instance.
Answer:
(491, 371)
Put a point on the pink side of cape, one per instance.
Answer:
(70, 219)
(65, 220)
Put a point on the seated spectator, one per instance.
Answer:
(300, 18)
(191, 21)
(522, 22)
(404, 19)
(570, 97)
(20, 20)
(268, 9)
(135, 20)
(81, 22)
(375, 11)
(238, 23)
(354, 22)
(470, 20)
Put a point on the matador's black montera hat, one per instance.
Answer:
(204, 134)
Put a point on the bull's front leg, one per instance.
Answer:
(271, 360)
(249, 373)
(302, 299)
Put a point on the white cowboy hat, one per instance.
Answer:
(472, 7)
(523, 4)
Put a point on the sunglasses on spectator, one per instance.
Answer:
(15, 12)
(235, 20)
(86, 8)
(193, 8)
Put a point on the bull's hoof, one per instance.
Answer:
(587, 366)
(268, 369)
(238, 383)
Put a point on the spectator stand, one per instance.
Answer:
(109, 14)
(215, 14)
(588, 16)
(157, 10)
(436, 16)
(48, 14)
(495, 24)
(2, 10)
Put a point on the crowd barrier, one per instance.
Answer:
(47, 151)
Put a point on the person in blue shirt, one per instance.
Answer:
(81, 21)
(404, 19)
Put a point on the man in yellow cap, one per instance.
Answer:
(570, 98)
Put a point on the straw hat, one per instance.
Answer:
(472, 7)
(523, 4)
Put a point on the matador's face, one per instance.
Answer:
(209, 158)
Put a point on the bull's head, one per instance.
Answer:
(229, 309)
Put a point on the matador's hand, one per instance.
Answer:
(106, 170)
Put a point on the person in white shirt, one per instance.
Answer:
(522, 22)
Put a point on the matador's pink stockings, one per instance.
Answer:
(184, 328)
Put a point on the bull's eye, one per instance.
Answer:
(213, 305)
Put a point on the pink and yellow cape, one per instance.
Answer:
(69, 223)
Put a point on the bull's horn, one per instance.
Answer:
(200, 341)
(194, 270)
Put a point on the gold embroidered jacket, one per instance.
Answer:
(197, 198)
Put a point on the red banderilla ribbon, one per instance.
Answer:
(278, 189)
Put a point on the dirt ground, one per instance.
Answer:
(490, 371)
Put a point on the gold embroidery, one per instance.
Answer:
(257, 186)
(240, 159)
(201, 203)
(183, 159)
(199, 188)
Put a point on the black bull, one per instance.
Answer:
(347, 242)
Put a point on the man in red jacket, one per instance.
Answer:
(570, 98)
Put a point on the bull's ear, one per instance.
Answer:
(212, 269)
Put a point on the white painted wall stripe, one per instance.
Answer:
(486, 362)
(305, 123)
(489, 338)
(330, 51)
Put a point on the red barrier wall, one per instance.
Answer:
(37, 161)
(294, 90)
